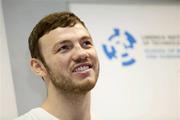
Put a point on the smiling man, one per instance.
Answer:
(64, 56)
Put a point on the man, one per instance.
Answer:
(64, 56)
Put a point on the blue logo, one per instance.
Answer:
(119, 46)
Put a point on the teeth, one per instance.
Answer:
(81, 68)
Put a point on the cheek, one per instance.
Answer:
(94, 55)
(55, 64)
(62, 62)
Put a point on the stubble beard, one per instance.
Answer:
(68, 85)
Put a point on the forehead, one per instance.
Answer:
(66, 33)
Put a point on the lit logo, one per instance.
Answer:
(119, 46)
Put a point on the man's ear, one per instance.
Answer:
(38, 67)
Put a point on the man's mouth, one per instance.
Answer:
(82, 67)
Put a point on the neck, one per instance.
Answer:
(69, 106)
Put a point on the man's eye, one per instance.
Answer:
(63, 48)
(87, 44)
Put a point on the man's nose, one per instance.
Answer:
(80, 54)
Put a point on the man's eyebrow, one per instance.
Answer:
(86, 37)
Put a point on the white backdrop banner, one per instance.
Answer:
(8, 109)
(139, 52)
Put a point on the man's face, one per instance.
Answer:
(71, 58)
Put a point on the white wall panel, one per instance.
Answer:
(148, 88)
(7, 97)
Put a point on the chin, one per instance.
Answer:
(86, 85)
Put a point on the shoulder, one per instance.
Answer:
(36, 114)
(31, 115)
